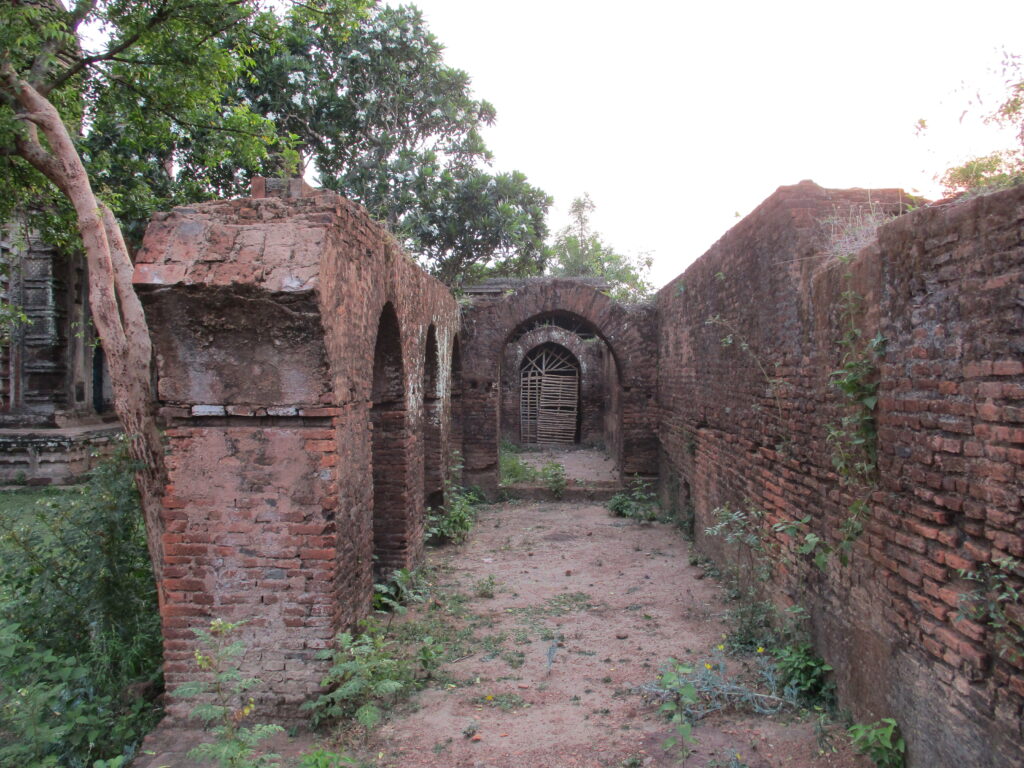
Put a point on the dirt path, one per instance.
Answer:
(586, 608)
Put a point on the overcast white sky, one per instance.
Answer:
(676, 116)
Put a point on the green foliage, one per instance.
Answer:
(751, 625)
(638, 503)
(687, 693)
(999, 589)
(79, 627)
(881, 741)
(579, 252)
(323, 758)
(486, 587)
(513, 469)
(738, 526)
(387, 123)
(225, 704)
(854, 440)
(802, 670)
(367, 676)
(1002, 168)
(150, 143)
(453, 522)
(678, 700)
(402, 587)
(552, 474)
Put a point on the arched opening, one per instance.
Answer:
(433, 477)
(549, 396)
(389, 447)
(455, 422)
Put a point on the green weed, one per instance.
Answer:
(881, 741)
(227, 704)
(553, 476)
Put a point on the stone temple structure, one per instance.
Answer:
(314, 382)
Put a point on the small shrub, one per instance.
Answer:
(403, 587)
(486, 587)
(367, 675)
(227, 704)
(323, 758)
(803, 671)
(881, 741)
(452, 523)
(79, 625)
(750, 624)
(638, 503)
(513, 469)
(552, 475)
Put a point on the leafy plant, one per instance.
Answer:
(638, 503)
(80, 643)
(737, 525)
(453, 522)
(854, 440)
(366, 676)
(552, 475)
(323, 758)
(513, 469)
(987, 604)
(226, 703)
(679, 696)
(802, 670)
(401, 588)
(881, 741)
(687, 694)
(486, 587)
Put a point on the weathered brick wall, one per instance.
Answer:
(944, 286)
(628, 331)
(265, 314)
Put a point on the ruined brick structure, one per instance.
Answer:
(945, 287)
(615, 344)
(55, 412)
(313, 382)
(304, 371)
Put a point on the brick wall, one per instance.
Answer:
(265, 315)
(745, 406)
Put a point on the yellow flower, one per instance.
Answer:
(707, 665)
(760, 649)
(490, 698)
(721, 646)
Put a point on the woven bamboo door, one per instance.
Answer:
(549, 397)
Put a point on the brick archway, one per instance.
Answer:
(433, 478)
(500, 311)
(390, 455)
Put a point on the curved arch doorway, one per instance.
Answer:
(549, 396)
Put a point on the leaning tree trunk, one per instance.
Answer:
(116, 309)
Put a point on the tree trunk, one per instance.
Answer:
(116, 309)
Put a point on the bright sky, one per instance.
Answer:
(674, 116)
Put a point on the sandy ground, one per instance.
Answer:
(584, 465)
(586, 608)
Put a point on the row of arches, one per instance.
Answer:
(397, 506)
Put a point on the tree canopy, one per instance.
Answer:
(578, 251)
(1002, 168)
(386, 122)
